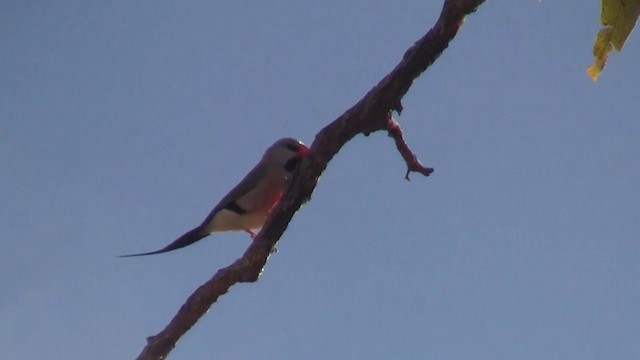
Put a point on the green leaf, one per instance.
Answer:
(618, 19)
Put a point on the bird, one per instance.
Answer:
(246, 207)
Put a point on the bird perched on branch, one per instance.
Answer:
(247, 205)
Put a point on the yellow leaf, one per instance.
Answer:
(618, 19)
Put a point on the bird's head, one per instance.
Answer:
(287, 152)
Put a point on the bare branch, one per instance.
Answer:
(371, 113)
(413, 164)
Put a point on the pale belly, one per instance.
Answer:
(263, 201)
(227, 220)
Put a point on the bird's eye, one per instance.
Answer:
(292, 147)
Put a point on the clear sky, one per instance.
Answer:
(123, 122)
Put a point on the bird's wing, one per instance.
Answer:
(239, 199)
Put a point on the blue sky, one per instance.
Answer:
(123, 123)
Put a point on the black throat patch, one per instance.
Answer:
(291, 164)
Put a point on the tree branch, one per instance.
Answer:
(371, 113)
(413, 164)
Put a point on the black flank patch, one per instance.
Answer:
(233, 206)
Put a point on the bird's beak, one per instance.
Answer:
(302, 151)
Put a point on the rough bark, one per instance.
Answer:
(371, 113)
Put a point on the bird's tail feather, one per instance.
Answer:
(186, 239)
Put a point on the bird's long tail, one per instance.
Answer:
(186, 239)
